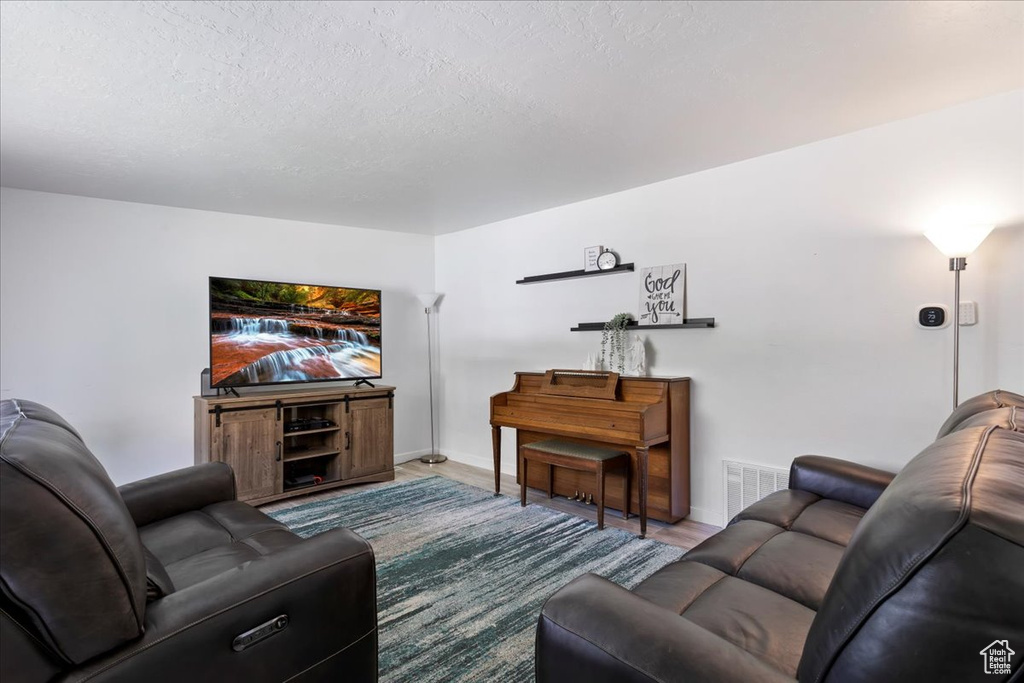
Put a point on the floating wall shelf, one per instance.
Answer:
(688, 324)
(572, 274)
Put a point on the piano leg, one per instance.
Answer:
(641, 470)
(496, 447)
(522, 485)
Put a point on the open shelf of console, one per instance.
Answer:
(292, 456)
(322, 430)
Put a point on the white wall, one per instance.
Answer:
(103, 312)
(813, 264)
(811, 260)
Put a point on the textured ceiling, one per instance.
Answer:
(437, 116)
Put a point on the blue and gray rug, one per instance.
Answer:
(462, 574)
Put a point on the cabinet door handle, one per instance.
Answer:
(278, 451)
(348, 440)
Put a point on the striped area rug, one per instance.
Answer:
(462, 574)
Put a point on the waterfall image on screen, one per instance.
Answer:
(274, 332)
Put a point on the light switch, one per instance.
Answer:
(968, 313)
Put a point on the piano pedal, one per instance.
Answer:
(590, 499)
(574, 497)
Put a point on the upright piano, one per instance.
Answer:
(648, 417)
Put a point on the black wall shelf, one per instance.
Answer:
(572, 274)
(688, 324)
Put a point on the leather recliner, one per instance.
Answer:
(850, 575)
(162, 579)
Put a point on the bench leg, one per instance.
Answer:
(641, 489)
(551, 481)
(625, 492)
(522, 482)
(600, 496)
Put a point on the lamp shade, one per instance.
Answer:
(958, 241)
(428, 300)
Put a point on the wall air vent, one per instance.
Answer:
(745, 484)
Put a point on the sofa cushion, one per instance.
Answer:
(933, 566)
(795, 565)
(158, 583)
(758, 582)
(197, 545)
(761, 621)
(765, 624)
(829, 520)
(730, 548)
(675, 586)
(980, 411)
(183, 536)
(52, 487)
(806, 512)
(1007, 417)
(780, 508)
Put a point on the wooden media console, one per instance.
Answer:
(287, 443)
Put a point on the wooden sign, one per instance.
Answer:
(662, 295)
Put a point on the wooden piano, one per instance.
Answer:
(648, 417)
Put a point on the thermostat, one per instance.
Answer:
(933, 316)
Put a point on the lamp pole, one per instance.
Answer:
(957, 242)
(429, 301)
(956, 264)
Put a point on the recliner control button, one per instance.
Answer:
(255, 635)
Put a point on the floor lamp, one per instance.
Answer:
(429, 301)
(958, 243)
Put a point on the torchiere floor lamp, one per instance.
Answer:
(429, 301)
(958, 243)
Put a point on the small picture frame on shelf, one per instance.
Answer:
(590, 256)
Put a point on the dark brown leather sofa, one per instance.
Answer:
(850, 575)
(156, 581)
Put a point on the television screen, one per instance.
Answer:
(276, 332)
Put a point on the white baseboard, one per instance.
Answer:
(705, 516)
(410, 455)
(482, 462)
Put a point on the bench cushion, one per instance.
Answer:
(574, 450)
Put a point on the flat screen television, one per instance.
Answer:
(281, 332)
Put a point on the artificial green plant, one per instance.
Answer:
(614, 334)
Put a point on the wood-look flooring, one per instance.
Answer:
(684, 534)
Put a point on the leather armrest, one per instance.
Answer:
(326, 586)
(172, 493)
(837, 479)
(594, 630)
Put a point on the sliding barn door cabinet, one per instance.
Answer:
(283, 444)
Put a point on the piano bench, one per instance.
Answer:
(575, 456)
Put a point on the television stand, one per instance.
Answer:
(364, 381)
(277, 442)
(228, 391)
